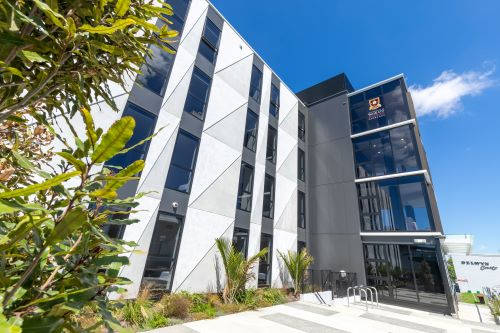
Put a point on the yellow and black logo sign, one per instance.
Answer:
(374, 103)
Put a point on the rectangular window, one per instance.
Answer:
(240, 240)
(266, 241)
(256, 84)
(145, 125)
(245, 188)
(156, 70)
(300, 245)
(301, 210)
(162, 254)
(272, 145)
(301, 165)
(398, 204)
(210, 41)
(268, 207)
(180, 8)
(180, 174)
(380, 106)
(274, 106)
(251, 128)
(198, 92)
(302, 127)
(386, 152)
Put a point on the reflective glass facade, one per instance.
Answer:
(405, 273)
(386, 152)
(378, 107)
(397, 204)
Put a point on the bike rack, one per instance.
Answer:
(365, 290)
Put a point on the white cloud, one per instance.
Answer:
(444, 96)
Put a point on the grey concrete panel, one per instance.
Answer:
(215, 18)
(146, 99)
(242, 219)
(169, 196)
(191, 124)
(254, 106)
(403, 323)
(311, 308)
(328, 121)
(267, 225)
(301, 324)
(248, 156)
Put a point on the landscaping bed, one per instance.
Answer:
(171, 309)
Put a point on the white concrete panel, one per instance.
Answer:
(232, 48)
(200, 230)
(258, 193)
(231, 129)
(220, 196)
(223, 101)
(266, 91)
(174, 104)
(288, 168)
(214, 157)
(238, 75)
(253, 249)
(186, 53)
(197, 8)
(286, 144)
(285, 189)
(288, 101)
(291, 123)
(282, 241)
(288, 219)
(140, 233)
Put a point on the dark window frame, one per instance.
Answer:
(301, 210)
(301, 165)
(208, 43)
(254, 134)
(203, 75)
(302, 127)
(273, 145)
(258, 88)
(274, 104)
(265, 263)
(272, 197)
(195, 160)
(242, 189)
(246, 238)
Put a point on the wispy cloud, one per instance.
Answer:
(443, 97)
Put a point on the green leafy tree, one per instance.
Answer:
(238, 270)
(57, 58)
(296, 263)
(451, 270)
(62, 55)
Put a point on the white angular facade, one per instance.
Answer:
(208, 210)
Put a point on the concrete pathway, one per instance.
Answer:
(300, 317)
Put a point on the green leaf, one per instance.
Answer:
(131, 170)
(9, 207)
(72, 221)
(23, 161)
(33, 56)
(13, 325)
(39, 187)
(145, 24)
(78, 164)
(105, 193)
(19, 232)
(51, 14)
(121, 7)
(71, 27)
(42, 325)
(107, 30)
(114, 140)
(89, 125)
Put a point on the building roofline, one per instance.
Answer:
(395, 77)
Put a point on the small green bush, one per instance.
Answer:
(176, 305)
(273, 296)
(201, 305)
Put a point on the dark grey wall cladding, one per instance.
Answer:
(333, 213)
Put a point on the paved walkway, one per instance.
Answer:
(300, 317)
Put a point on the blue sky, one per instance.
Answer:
(449, 51)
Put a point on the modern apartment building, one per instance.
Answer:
(239, 155)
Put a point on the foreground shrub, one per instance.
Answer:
(296, 264)
(273, 296)
(176, 305)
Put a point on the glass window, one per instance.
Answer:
(245, 188)
(264, 277)
(156, 70)
(301, 210)
(405, 273)
(300, 245)
(302, 127)
(180, 10)
(301, 165)
(256, 84)
(398, 204)
(272, 145)
(385, 153)
(274, 106)
(198, 94)
(240, 240)
(268, 208)
(209, 41)
(251, 128)
(378, 107)
(180, 174)
(145, 124)
(162, 253)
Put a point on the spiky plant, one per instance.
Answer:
(296, 264)
(238, 270)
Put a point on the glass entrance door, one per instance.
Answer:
(162, 255)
